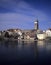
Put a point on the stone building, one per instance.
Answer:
(36, 25)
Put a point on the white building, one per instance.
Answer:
(19, 32)
(41, 36)
(48, 33)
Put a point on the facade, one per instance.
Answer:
(13, 33)
(48, 33)
(41, 36)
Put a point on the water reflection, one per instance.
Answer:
(41, 43)
(25, 51)
(8, 44)
(36, 50)
(36, 45)
(48, 46)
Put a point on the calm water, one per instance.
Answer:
(24, 53)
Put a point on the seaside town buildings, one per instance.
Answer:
(27, 34)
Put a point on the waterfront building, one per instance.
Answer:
(48, 33)
(35, 33)
(41, 36)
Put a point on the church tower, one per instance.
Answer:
(36, 26)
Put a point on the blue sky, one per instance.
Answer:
(22, 14)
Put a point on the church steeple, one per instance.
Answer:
(36, 26)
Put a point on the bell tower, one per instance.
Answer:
(36, 26)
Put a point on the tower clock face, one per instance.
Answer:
(35, 22)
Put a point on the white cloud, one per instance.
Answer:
(20, 6)
(14, 20)
(23, 15)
